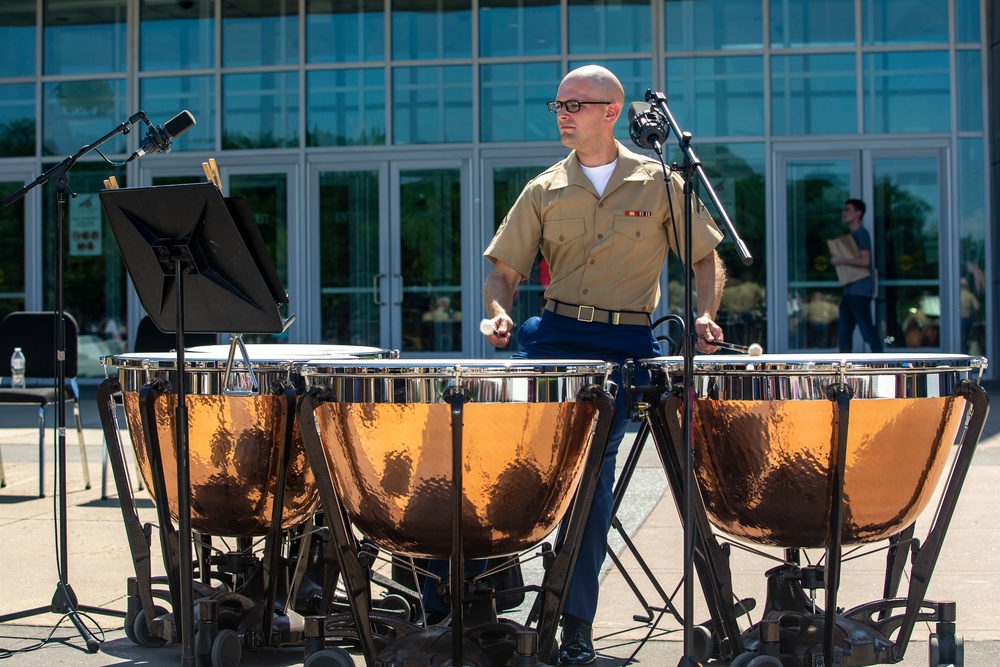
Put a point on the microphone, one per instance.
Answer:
(158, 138)
(647, 128)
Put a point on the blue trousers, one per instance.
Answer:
(857, 310)
(556, 337)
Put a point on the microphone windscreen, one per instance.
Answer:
(637, 109)
(179, 124)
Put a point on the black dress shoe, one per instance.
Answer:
(577, 643)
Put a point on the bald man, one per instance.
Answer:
(605, 222)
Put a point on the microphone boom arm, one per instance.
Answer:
(659, 102)
(68, 163)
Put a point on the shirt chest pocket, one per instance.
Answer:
(561, 232)
(637, 239)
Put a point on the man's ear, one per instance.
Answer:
(614, 110)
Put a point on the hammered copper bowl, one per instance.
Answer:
(234, 439)
(387, 436)
(765, 435)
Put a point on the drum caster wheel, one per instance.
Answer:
(703, 643)
(227, 649)
(764, 661)
(142, 635)
(942, 655)
(743, 659)
(129, 630)
(329, 657)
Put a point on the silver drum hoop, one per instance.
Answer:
(807, 377)
(426, 381)
(205, 366)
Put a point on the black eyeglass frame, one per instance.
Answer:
(555, 105)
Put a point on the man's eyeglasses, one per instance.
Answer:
(571, 106)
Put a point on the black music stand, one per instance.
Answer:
(199, 265)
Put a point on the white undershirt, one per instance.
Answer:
(599, 176)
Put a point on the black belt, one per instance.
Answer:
(591, 314)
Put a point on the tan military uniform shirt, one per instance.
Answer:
(603, 251)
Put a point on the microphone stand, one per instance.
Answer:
(691, 167)
(64, 600)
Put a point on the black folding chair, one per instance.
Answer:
(34, 333)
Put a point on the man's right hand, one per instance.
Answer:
(502, 328)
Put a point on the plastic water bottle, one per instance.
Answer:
(17, 364)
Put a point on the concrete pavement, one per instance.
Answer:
(99, 562)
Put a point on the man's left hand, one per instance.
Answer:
(707, 331)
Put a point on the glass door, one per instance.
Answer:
(267, 194)
(14, 251)
(904, 194)
(907, 219)
(391, 249)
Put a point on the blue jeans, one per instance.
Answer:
(556, 337)
(857, 310)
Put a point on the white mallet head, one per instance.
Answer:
(755, 350)
(486, 326)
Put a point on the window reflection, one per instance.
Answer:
(435, 29)
(345, 30)
(699, 25)
(519, 27)
(95, 283)
(176, 35)
(17, 39)
(17, 120)
(796, 23)
(260, 110)
(265, 32)
(617, 26)
(77, 113)
(717, 96)
(431, 104)
(162, 98)
(972, 247)
(349, 256)
(736, 172)
(512, 101)
(12, 251)
(430, 204)
(969, 91)
(967, 21)
(813, 94)
(904, 21)
(907, 92)
(345, 107)
(84, 38)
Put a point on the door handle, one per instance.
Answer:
(377, 289)
(399, 277)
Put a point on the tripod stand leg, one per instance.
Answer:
(64, 601)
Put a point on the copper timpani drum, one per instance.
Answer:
(764, 430)
(387, 438)
(234, 427)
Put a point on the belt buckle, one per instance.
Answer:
(589, 317)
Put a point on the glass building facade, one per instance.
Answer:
(380, 142)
